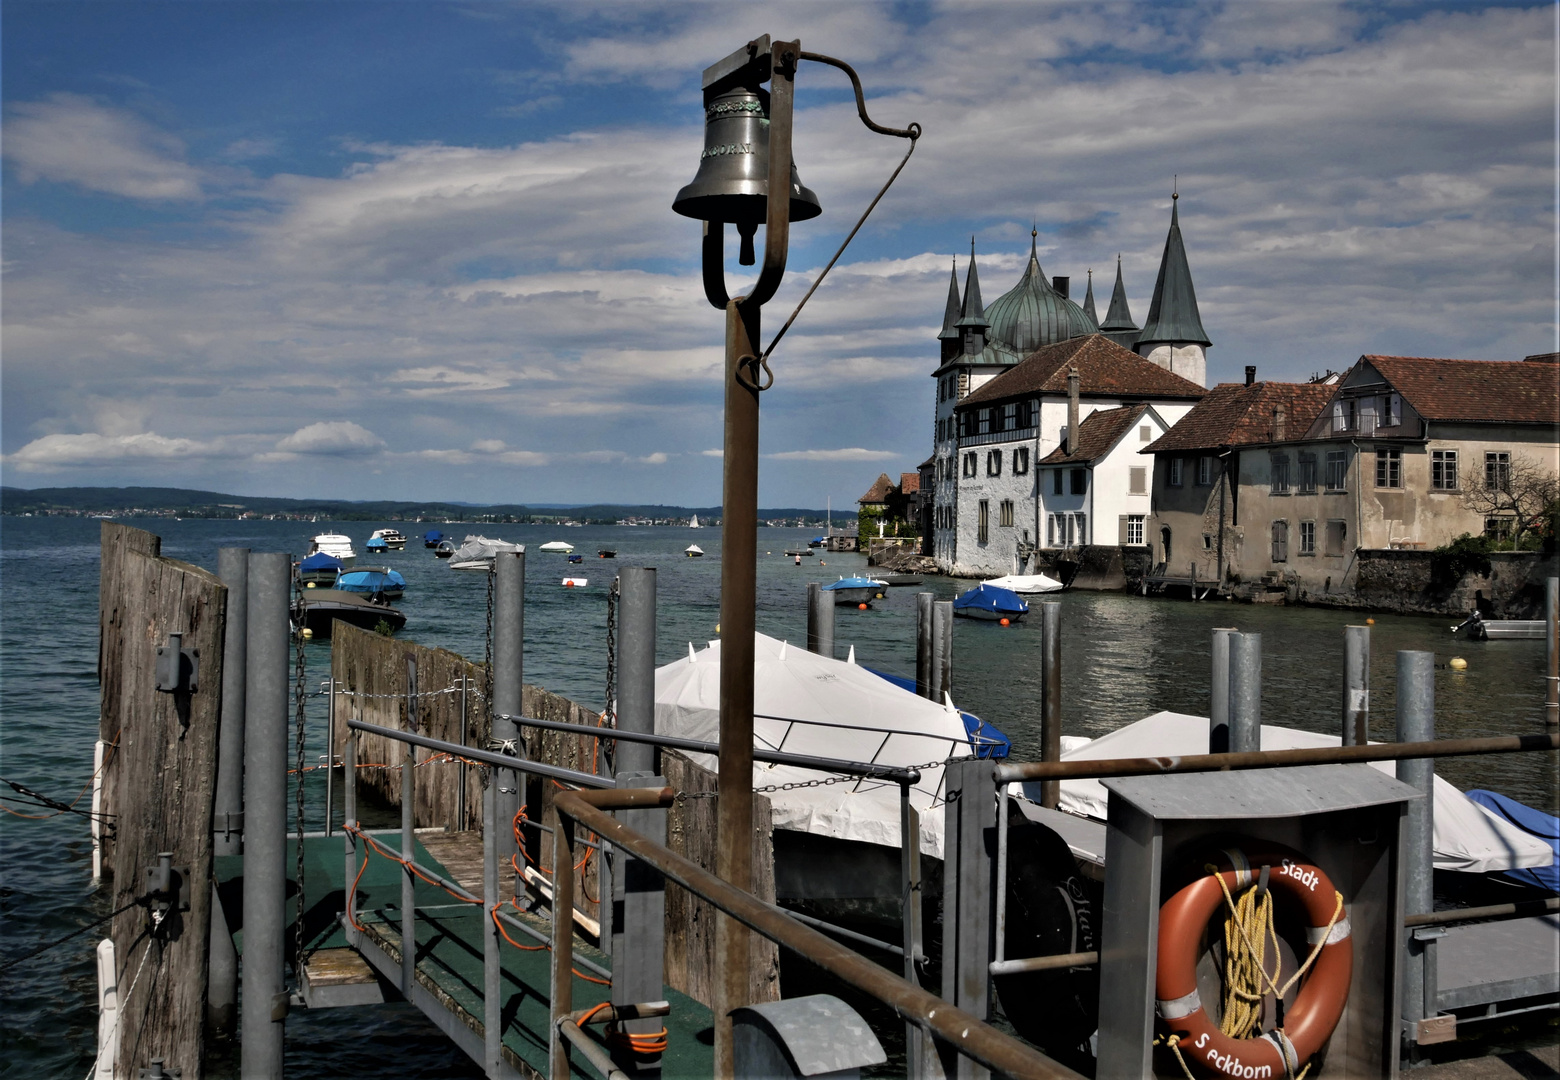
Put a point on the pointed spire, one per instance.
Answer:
(973, 315)
(1172, 314)
(1088, 300)
(1032, 272)
(1119, 317)
(951, 312)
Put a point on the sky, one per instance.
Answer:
(360, 249)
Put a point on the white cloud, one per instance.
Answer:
(851, 453)
(337, 437)
(74, 140)
(91, 450)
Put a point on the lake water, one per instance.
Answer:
(1123, 657)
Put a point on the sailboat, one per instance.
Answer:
(694, 523)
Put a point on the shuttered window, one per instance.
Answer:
(983, 522)
(1280, 541)
(1137, 480)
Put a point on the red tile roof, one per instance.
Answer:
(879, 491)
(1097, 433)
(1489, 391)
(1234, 414)
(1104, 368)
(909, 483)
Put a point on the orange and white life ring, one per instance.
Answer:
(1309, 1022)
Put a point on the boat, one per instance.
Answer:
(444, 549)
(1477, 628)
(1027, 584)
(575, 582)
(576, 558)
(993, 604)
(431, 538)
(394, 539)
(334, 544)
(380, 581)
(606, 553)
(895, 580)
(693, 523)
(478, 553)
(856, 590)
(816, 541)
(556, 545)
(693, 551)
(377, 545)
(319, 609)
(1536, 823)
(319, 569)
(799, 551)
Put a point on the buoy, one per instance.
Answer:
(307, 632)
(1370, 622)
(861, 607)
(1457, 663)
(308, 584)
(1004, 622)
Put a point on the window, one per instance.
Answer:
(1280, 541)
(1498, 528)
(1497, 471)
(1336, 531)
(1307, 538)
(1081, 522)
(1307, 482)
(1207, 541)
(1175, 472)
(1056, 481)
(993, 462)
(1368, 416)
(1137, 480)
(1066, 530)
(1132, 529)
(1337, 469)
(1010, 416)
(964, 424)
(1343, 415)
(1080, 481)
(1021, 461)
(969, 463)
(1389, 468)
(1443, 470)
(1204, 471)
(983, 421)
(1279, 476)
(1392, 413)
(1005, 512)
(1145, 433)
(983, 523)
(1050, 530)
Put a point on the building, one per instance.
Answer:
(890, 507)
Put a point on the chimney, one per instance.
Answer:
(1251, 374)
(1072, 412)
(1061, 285)
(1278, 423)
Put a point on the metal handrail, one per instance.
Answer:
(1521, 909)
(486, 757)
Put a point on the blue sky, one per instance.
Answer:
(366, 249)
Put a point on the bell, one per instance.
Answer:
(732, 183)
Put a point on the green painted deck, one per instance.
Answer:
(449, 952)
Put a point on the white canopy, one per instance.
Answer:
(480, 547)
(1467, 837)
(809, 704)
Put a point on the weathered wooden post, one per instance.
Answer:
(820, 620)
(1219, 692)
(1245, 692)
(227, 815)
(409, 836)
(925, 646)
(1552, 639)
(942, 643)
(1050, 696)
(1356, 685)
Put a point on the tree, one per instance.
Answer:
(1518, 490)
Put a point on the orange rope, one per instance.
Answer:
(647, 1043)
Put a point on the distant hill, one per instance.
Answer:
(181, 502)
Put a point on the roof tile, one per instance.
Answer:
(1104, 368)
(1235, 414)
(1097, 433)
(1487, 391)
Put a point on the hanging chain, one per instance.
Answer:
(487, 675)
(684, 796)
(610, 713)
(300, 696)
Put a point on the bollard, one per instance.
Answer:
(1356, 685)
(820, 621)
(942, 649)
(1050, 697)
(227, 811)
(1219, 692)
(1416, 723)
(409, 836)
(636, 668)
(924, 646)
(508, 678)
(1245, 692)
(265, 810)
(1552, 639)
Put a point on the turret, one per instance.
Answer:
(950, 338)
(972, 324)
(1173, 337)
(1088, 300)
(1118, 324)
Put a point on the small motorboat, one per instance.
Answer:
(606, 553)
(816, 541)
(394, 539)
(1027, 584)
(575, 582)
(576, 558)
(478, 553)
(377, 545)
(807, 551)
(694, 551)
(1477, 628)
(991, 603)
(319, 609)
(857, 590)
(558, 546)
(380, 581)
(444, 549)
(334, 544)
(319, 569)
(431, 538)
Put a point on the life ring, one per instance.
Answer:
(1309, 1022)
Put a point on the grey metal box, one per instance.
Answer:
(1348, 819)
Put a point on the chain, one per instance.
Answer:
(487, 672)
(300, 696)
(612, 605)
(684, 796)
(344, 691)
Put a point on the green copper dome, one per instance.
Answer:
(1033, 314)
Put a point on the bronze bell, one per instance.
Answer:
(732, 183)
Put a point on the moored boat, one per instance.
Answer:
(319, 570)
(1027, 584)
(394, 539)
(1477, 628)
(896, 580)
(693, 551)
(319, 609)
(431, 538)
(993, 604)
(816, 541)
(478, 553)
(377, 545)
(444, 549)
(378, 581)
(335, 544)
(606, 553)
(856, 590)
(807, 551)
(556, 546)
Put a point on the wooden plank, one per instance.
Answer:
(160, 785)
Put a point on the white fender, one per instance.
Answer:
(108, 1012)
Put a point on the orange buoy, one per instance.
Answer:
(1370, 622)
(1004, 622)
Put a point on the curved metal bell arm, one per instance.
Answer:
(777, 231)
(715, 264)
(912, 132)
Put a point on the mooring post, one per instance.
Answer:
(227, 812)
(820, 620)
(1219, 692)
(265, 810)
(638, 945)
(1245, 692)
(925, 648)
(969, 815)
(1552, 639)
(636, 668)
(942, 645)
(409, 836)
(508, 678)
(1416, 723)
(1050, 696)
(330, 753)
(492, 971)
(917, 1046)
(1356, 685)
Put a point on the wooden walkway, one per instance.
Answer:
(449, 953)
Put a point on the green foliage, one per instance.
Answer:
(384, 629)
(1468, 554)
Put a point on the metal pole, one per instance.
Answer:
(1245, 692)
(925, 648)
(916, 1047)
(638, 949)
(227, 817)
(1552, 639)
(409, 837)
(942, 645)
(265, 808)
(1050, 697)
(820, 620)
(636, 667)
(1356, 685)
(492, 972)
(508, 679)
(1219, 692)
(349, 822)
(330, 753)
(1416, 723)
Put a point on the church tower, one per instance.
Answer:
(972, 324)
(1173, 337)
(1088, 301)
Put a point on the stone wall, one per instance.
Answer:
(1098, 566)
(1405, 581)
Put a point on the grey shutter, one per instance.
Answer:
(1121, 529)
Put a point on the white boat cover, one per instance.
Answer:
(1467, 837)
(1027, 584)
(480, 548)
(555, 545)
(854, 714)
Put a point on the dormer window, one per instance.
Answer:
(1344, 415)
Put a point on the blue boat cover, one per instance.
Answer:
(376, 543)
(321, 561)
(986, 739)
(370, 581)
(992, 598)
(1534, 822)
(433, 536)
(850, 583)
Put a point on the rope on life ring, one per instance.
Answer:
(1235, 1047)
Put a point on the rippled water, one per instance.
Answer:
(1123, 658)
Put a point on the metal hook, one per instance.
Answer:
(751, 382)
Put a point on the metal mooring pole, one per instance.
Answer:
(1245, 692)
(1416, 723)
(1552, 638)
(265, 808)
(409, 835)
(820, 620)
(508, 678)
(492, 971)
(1356, 685)
(942, 646)
(227, 816)
(1219, 692)
(925, 648)
(636, 667)
(1050, 697)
